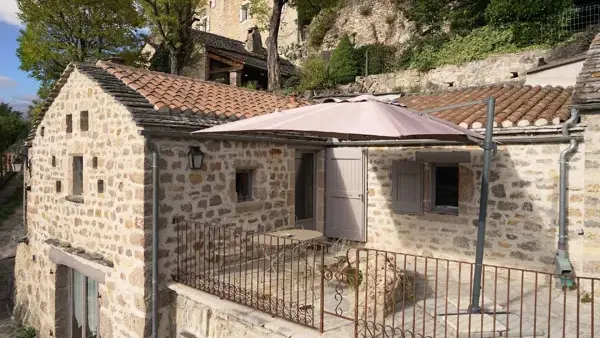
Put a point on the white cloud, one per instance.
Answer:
(6, 82)
(8, 12)
(21, 102)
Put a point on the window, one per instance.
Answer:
(244, 13)
(100, 186)
(444, 188)
(204, 24)
(83, 121)
(42, 130)
(58, 186)
(83, 305)
(213, 3)
(53, 161)
(77, 175)
(243, 185)
(95, 162)
(69, 123)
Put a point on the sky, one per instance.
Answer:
(16, 88)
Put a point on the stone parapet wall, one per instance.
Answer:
(522, 224)
(494, 69)
(106, 225)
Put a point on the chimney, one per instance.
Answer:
(254, 41)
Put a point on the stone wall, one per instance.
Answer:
(385, 24)
(590, 246)
(494, 69)
(107, 226)
(224, 20)
(522, 214)
(208, 195)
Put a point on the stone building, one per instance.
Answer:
(90, 193)
(233, 19)
(224, 60)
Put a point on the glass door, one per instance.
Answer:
(83, 306)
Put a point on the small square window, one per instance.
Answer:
(83, 121)
(69, 123)
(243, 185)
(444, 194)
(77, 175)
(244, 13)
(95, 162)
(53, 161)
(100, 186)
(58, 186)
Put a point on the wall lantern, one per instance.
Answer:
(17, 164)
(195, 157)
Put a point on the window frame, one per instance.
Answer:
(250, 183)
(432, 190)
(245, 12)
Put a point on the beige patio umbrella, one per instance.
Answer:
(361, 118)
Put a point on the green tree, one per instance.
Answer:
(313, 74)
(57, 32)
(343, 67)
(171, 21)
(12, 126)
(504, 12)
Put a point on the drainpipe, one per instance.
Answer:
(563, 264)
(154, 242)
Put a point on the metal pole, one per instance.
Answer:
(367, 62)
(488, 147)
(154, 243)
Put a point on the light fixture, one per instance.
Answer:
(195, 157)
(17, 164)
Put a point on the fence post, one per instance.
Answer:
(322, 300)
(356, 284)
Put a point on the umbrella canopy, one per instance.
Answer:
(361, 118)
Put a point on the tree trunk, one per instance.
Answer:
(274, 72)
(173, 61)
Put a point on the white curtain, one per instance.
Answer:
(92, 307)
(78, 280)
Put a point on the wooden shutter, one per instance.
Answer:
(407, 187)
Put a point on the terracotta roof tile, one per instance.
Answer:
(516, 105)
(178, 93)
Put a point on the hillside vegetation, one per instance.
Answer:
(439, 32)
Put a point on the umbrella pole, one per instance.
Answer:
(488, 147)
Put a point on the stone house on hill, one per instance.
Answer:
(90, 190)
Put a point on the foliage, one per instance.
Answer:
(432, 16)
(57, 32)
(381, 58)
(442, 49)
(353, 283)
(260, 12)
(12, 126)
(292, 82)
(23, 331)
(171, 21)
(342, 65)
(503, 12)
(160, 60)
(314, 74)
(253, 85)
(320, 25)
(586, 297)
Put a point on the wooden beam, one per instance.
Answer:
(226, 70)
(233, 63)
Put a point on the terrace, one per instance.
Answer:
(340, 290)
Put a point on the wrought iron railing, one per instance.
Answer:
(276, 275)
(373, 293)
